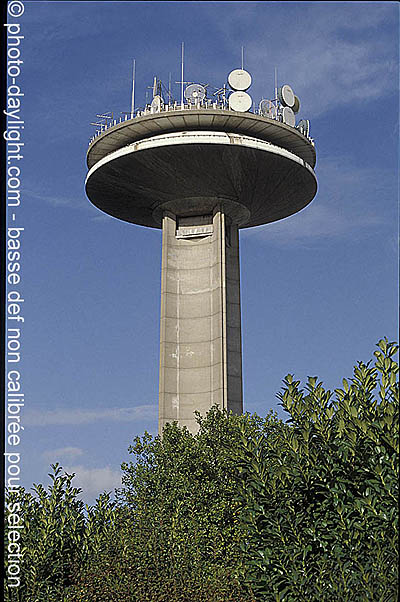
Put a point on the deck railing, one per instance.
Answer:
(177, 106)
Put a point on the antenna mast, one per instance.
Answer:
(133, 89)
(182, 77)
(242, 57)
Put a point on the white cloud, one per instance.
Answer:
(101, 217)
(341, 17)
(315, 222)
(62, 452)
(333, 73)
(55, 201)
(69, 416)
(334, 55)
(364, 201)
(93, 481)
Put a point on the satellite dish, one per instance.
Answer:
(286, 96)
(304, 127)
(156, 104)
(240, 101)
(296, 106)
(195, 93)
(267, 108)
(239, 79)
(288, 116)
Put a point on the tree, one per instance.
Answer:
(248, 509)
(321, 490)
(181, 537)
(59, 534)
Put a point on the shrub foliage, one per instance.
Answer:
(248, 509)
(320, 491)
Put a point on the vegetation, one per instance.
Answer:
(249, 509)
(59, 535)
(320, 492)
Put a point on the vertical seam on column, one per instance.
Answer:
(210, 269)
(240, 314)
(178, 350)
(164, 252)
(223, 313)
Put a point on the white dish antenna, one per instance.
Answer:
(286, 96)
(156, 104)
(195, 93)
(296, 106)
(267, 108)
(239, 79)
(304, 127)
(240, 101)
(288, 116)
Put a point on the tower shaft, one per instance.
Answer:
(200, 334)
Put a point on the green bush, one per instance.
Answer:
(320, 491)
(59, 535)
(248, 509)
(181, 537)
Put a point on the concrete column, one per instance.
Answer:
(200, 336)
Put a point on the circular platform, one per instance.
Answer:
(134, 181)
(216, 120)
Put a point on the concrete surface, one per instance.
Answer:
(266, 181)
(262, 128)
(200, 334)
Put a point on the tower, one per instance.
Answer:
(200, 170)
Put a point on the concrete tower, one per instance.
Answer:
(200, 170)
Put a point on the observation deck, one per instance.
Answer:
(184, 159)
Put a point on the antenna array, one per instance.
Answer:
(283, 107)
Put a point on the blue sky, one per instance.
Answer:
(318, 289)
